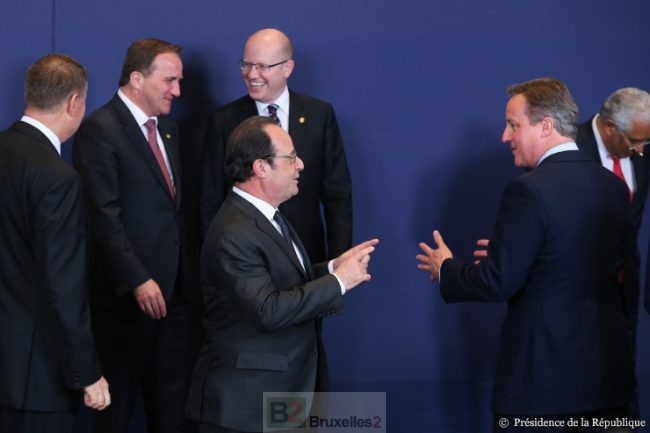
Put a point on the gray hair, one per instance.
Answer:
(625, 106)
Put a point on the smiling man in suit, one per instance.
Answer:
(127, 155)
(263, 299)
(266, 66)
(555, 254)
(47, 354)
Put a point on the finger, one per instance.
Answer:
(422, 258)
(424, 267)
(426, 248)
(437, 237)
(480, 253)
(364, 252)
(365, 259)
(162, 307)
(482, 242)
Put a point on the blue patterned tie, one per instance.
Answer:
(273, 113)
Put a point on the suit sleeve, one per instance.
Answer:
(242, 270)
(60, 248)
(97, 162)
(336, 195)
(213, 186)
(516, 240)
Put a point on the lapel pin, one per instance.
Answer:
(301, 120)
(168, 136)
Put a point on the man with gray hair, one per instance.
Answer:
(615, 138)
(47, 354)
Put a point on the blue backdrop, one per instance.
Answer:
(419, 90)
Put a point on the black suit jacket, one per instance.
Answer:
(325, 179)
(554, 255)
(46, 346)
(137, 230)
(261, 325)
(587, 141)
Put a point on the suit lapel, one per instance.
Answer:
(298, 120)
(140, 143)
(265, 226)
(247, 109)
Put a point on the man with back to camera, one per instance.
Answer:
(47, 353)
(615, 138)
(563, 349)
(266, 66)
(263, 299)
(127, 155)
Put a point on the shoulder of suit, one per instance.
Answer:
(306, 99)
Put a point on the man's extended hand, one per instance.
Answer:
(96, 396)
(150, 299)
(432, 259)
(352, 266)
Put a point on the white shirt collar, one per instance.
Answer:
(136, 111)
(602, 150)
(557, 149)
(45, 130)
(267, 210)
(282, 102)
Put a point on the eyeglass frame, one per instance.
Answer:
(260, 67)
(291, 158)
(632, 141)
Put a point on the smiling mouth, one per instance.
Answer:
(255, 85)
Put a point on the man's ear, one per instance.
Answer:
(135, 79)
(260, 168)
(548, 125)
(73, 103)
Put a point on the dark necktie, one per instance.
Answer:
(286, 234)
(273, 113)
(618, 171)
(153, 143)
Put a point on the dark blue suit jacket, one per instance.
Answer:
(587, 142)
(554, 255)
(46, 347)
(262, 319)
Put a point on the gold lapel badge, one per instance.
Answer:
(301, 120)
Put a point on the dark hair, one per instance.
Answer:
(141, 55)
(52, 79)
(247, 143)
(549, 97)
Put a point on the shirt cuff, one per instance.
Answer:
(330, 268)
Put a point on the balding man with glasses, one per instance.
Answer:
(266, 65)
(615, 138)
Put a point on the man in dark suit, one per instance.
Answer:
(47, 354)
(266, 65)
(555, 254)
(263, 299)
(615, 138)
(127, 155)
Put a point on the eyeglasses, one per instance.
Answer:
(633, 142)
(291, 157)
(260, 67)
